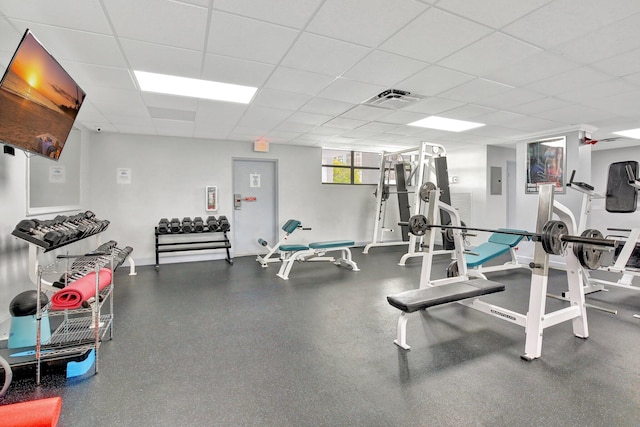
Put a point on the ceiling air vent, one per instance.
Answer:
(393, 99)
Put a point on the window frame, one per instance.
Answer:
(352, 168)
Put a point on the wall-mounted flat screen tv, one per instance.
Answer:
(39, 101)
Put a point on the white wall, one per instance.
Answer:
(169, 175)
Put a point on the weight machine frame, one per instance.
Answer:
(426, 152)
(536, 318)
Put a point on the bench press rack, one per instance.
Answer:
(466, 290)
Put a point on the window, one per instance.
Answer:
(350, 167)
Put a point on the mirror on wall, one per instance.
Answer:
(55, 186)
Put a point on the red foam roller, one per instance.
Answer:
(72, 296)
(35, 413)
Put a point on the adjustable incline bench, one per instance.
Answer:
(315, 252)
(497, 245)
(289, 227)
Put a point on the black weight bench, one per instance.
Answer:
(420, 299)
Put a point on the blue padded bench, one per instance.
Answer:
(331, 244)
(293, 247)
(315, 252)
(497, 245)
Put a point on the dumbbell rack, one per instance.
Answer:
(191, 245)
(81, 329)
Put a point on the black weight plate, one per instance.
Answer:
(418, 225)
(425, 190)
(551, 237)
(588, 255)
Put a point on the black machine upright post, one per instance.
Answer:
(403, 199)
(442, 181)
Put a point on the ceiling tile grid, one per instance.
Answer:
(518, 66)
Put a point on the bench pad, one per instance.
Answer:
(486, 252)
(293, 247)
(419, 299)
(331, 244)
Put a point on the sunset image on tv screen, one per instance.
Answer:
(39, 101)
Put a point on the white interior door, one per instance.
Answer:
(255, 204)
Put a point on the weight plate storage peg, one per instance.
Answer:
(588, 255)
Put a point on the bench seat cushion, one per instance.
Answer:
(331, 244)
(293, 247)
(485, 252)
(420, 299)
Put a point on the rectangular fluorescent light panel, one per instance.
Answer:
(441, 123)
(195, 88)
(630, 133)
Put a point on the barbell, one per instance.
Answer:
(588, 247)
(423, 192)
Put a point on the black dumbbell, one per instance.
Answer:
(212, 223)
(52, 238)
(163, 226)
(198, 224)
(187, 227)
(175, 225)
(224, 225)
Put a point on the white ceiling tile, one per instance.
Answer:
(169, 101)
(434, 80)
(633, 78)
(365, 112)
(323, 55)
(299, 81)
(406, 130)
(201, 3)
(248, 38)
(433, 105)
(279, 99)
(367, 23)
(614, 39)
(500, 13)
(161, 59)
(179, 24)
(116, 100)
(493, 52)
(262, 117)
(540, 105)
(385, 69)
(574, 114)
(401, 117)
(78, 46)
(359, 133)
(598, 91)
(98, 75)
(278, 136)
(475, 90)
(309, 118)
(624, 104)
(291, 13)
(137, 128)
(84, 15)
(563, 20)
(377, 127)
(325, 131)
(9, 39)
(583, 77)
(288, 126)
(416, 40)
(531, 69)
(329, 107)
(236, 71)
(215, 120)
(344, 123)
(511, 98)
(350, 91)
(467, 112)
(495, 131)
(620, 65)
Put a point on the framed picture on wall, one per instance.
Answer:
(546, 164)
(211, 198)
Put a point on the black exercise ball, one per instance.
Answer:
(26, 304)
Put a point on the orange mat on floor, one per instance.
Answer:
(35, 413)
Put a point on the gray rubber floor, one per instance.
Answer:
(209, 344)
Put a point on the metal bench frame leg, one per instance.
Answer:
(401, 340)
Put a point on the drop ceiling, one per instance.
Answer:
(525, 68)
